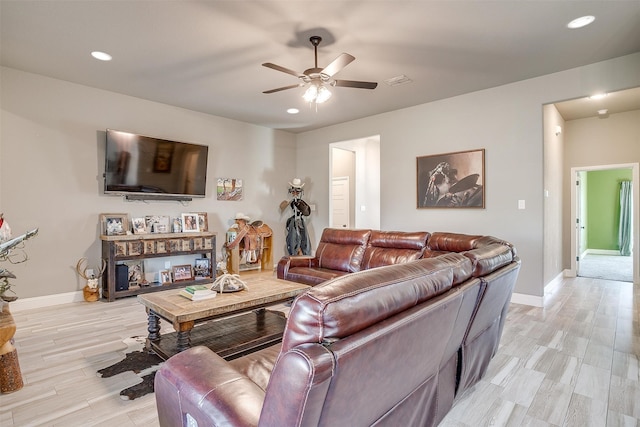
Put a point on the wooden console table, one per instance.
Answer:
(143, 246)
(239, 324)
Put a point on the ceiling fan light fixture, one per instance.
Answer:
(311, 93)
(323, 95)
(317, 93)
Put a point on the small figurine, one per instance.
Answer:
(297, 237)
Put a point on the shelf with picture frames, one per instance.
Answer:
(120, 249)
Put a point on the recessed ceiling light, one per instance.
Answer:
(583, 21)
(598, 96)
(293, 111)
(101, 55)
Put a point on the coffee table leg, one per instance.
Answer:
(153, 326)
(183, 338)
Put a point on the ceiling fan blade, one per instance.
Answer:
(338, 64)
(356, 84)
(282, 88)
(284, 70)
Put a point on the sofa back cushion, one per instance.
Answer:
(351, 303)
(452, 242)
(487, 259)
(393, 247)
(342, 249)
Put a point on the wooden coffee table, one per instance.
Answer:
(237, 322)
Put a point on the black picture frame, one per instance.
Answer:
(451, 180)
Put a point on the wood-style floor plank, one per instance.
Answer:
(574, 362)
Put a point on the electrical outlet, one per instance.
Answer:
(167, 265)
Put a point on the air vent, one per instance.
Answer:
(398, 80)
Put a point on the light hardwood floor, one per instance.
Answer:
(574, 362)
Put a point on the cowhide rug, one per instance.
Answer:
(139, 361)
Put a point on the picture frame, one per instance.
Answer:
(229, 189)
(149, 247)
(186, 245)
(165, 277)
(190, 223)
(135, 248)
(451, 180)
(176, 225)
(114, 224)
(175, 245)
(121, 248)
(208, 243)
(182, 273)
(161, 247)
(203, 221)
(139, 225)
(157, 223)
(197, 244)
(136, 272)
(202, 268)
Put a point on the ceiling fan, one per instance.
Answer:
(317, 79)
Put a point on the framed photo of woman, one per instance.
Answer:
(190, 223)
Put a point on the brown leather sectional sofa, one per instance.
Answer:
(389, 346)
(342, 251)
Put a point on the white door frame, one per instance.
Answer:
(636, 239)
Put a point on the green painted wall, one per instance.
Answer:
(603, 207)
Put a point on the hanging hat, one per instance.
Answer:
(297, 183)
(240, 215)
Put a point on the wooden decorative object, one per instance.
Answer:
(10, 375)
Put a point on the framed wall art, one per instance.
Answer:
(451, 180)
(229, 189)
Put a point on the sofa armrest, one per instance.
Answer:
(287, 262)
(198, 384)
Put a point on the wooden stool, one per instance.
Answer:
(10, 375)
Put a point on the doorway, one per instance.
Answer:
(354, 190)
(593, 251)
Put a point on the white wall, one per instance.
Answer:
(507, 121)
(50, 165)
(52, 160)
(553, 193)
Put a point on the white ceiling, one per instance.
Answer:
(206, 55)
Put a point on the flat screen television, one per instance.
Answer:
(144, 166)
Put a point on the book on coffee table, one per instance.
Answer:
(198, 289)
(197, 292)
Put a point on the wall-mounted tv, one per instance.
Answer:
(143, 166)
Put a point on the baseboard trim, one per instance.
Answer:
(525, 299)
(45, 301)
(602, 252)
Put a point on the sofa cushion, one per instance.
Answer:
(452, 242)
(342, 249)
(312, 276)
(390, 247)
(489, 258)
(326, 312)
